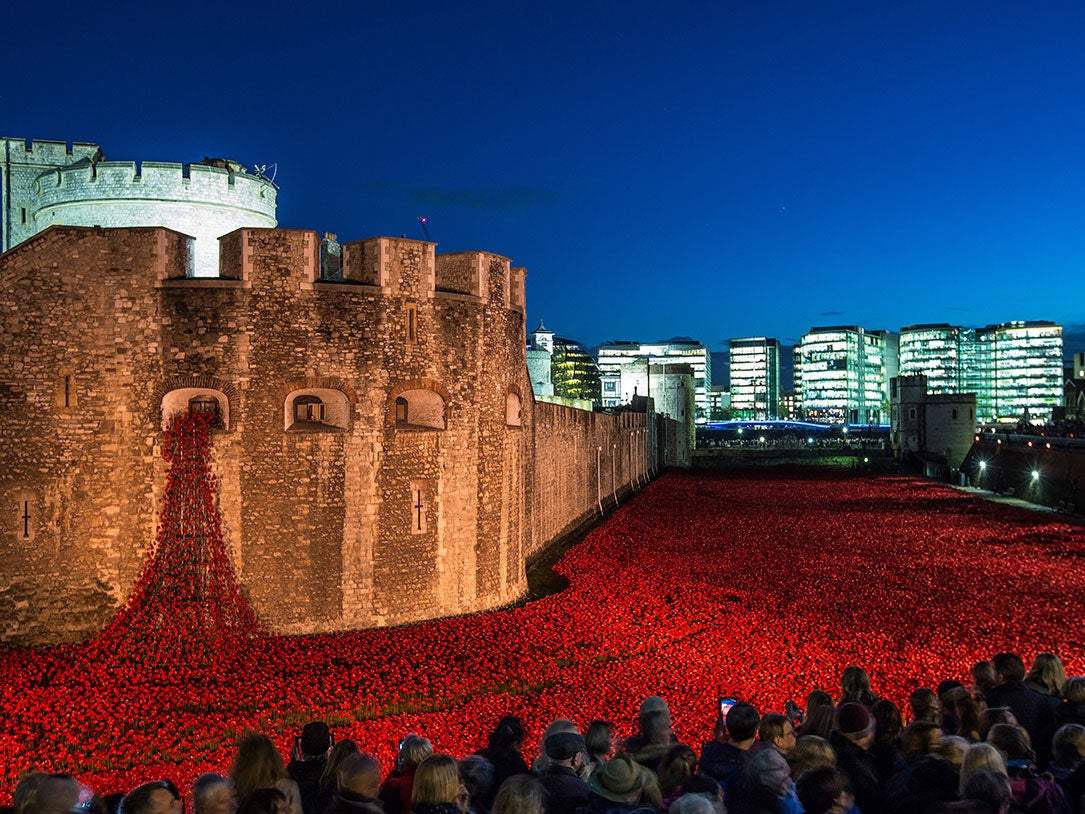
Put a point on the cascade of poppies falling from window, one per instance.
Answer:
(187, 603)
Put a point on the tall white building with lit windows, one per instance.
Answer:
(755, 377)
(843, 374)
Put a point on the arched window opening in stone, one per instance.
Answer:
(317, 409)
(512, 410)
(196, 400)
(422, 410)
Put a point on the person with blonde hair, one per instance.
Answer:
(951, 749)
(396, 790)
(1047, 676)
(437, 788)
(258, 765)
(520, 794)
(810, 752)
(980, 757)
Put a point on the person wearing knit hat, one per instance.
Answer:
(619, 787)
(851, 741)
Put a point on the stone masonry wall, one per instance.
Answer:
(420, 492)
(583, 463)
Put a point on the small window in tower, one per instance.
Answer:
(911, 413)
(22, 214)
(401, 410)
(65, 390)
(25, 516)
(309, 408)
(418, 507)
(954, 414)
(412, 323)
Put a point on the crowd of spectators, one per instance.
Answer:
(1010, 741)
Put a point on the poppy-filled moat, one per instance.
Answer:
(763, 585)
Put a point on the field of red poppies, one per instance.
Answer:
(764, 585)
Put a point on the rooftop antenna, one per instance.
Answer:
(425, 229)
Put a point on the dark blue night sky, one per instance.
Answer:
(711, 170)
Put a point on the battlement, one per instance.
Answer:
(154, 181)
(388, 266)
(46, 152)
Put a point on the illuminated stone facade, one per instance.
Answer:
(380, 458)
(613, 355)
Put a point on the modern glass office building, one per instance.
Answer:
(1014, 368)
(755, 378)
(933, 351)
(1026, 358)
(843, 374)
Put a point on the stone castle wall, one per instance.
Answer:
(584, 463)
(429, 480)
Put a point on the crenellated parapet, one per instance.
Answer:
(104, 182)
(387, 266)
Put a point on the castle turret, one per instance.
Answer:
(56, 185)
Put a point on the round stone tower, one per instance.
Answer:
(205, 200)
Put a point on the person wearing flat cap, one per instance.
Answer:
(565, 791)
(621, 786)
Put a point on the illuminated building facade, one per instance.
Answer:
(573, 371)
(1025, 360)
(842, 374)
(1014, 369)
(935, 351)
(614, 355)
(755, 378)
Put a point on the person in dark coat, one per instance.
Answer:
(622, 786)
(504, 750)
(1072, 709)
(726, 758)
(1031, 709)
(851, 741)
(565, 791)
(308, 761)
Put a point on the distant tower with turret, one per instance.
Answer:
(53, 183)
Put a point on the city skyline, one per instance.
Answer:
(710, 171)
